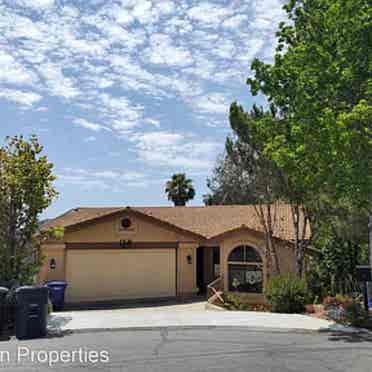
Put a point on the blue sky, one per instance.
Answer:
(123, 93)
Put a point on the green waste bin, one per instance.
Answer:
(31, 312)
(3, 309)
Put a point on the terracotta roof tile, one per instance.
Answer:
(78, 215)
(207, 221)
(212, 221)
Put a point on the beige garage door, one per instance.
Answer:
(94, 275)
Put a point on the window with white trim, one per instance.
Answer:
(245, 270)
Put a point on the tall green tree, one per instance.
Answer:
(342, 244)
(321, 84)
(180, 189)
(319, 89)
(26, 190)
(245, 176)
(272, 183)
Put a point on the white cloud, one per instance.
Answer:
(209, 13)
(126, 63)
(12, 72)
(215, 103)
(154, 122)
(36, 4)
(235, 21)
(268, 14)
(165, 7)
(120, 112)
(166, 149)
(113, 180)
(89, 125)
(90, 139)
(142, 11)
(26, 99)
(57, 83)
(41, 109)
(163, 51)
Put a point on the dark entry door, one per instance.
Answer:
(200, 270)
(208, 260)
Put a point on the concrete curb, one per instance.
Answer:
(339, 330)
(180, 328)
(211, 307)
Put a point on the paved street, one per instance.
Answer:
(214, 349)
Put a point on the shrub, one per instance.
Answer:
(235, 302)
(286, 294)
(344, 309)
(354, 313)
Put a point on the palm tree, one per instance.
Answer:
(180, 189)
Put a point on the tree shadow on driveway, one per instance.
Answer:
(362, 336)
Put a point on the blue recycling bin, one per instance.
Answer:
(57, 290)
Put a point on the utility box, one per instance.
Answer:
(31, 312)
(364, 273)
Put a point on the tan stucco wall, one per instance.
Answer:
(56, 251)
(108, 230)
(187, 272)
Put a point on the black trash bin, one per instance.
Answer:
(11, 302)
(3, 309)
(57, 290)
(31, 312)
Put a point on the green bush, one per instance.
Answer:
(286, 294)
(354, 313)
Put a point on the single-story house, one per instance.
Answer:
(159, 252)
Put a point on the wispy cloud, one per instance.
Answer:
(35, 4)
(25, 99)
(175, 150)
(89, 125)
(142, 71)
(112, 180)
(90, 139)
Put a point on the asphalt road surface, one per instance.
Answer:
(214, 349)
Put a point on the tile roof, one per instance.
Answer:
(78, 215)
(208, 222)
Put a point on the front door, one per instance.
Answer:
(207, 266)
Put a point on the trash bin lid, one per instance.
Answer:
(56, 283)
(10, 284)
(29, 288)
(28, 293)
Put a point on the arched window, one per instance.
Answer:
(245, 270)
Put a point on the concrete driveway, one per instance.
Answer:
(180, 316)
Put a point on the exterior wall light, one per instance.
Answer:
(52, 264)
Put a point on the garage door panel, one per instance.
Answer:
(109, 275)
